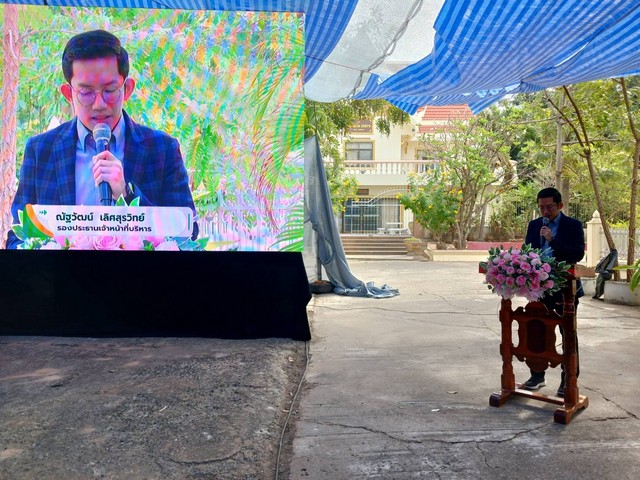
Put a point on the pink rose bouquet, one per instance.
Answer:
(523, 272)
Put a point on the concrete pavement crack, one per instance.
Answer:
(496, 331)
(504, 440)
(483, 455)
(436, 440)
(372, 430)
(630, 414)
(605, 419)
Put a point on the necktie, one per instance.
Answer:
(90, 144)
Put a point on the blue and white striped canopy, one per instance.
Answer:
(438, 52)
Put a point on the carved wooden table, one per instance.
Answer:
(537, 348)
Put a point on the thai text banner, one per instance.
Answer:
(69, 220)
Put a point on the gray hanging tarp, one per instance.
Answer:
(330, 252)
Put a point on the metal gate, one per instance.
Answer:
(369, 215)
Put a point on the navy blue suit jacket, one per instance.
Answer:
(568, 243)
(152, 162)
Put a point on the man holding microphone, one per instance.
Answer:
(562, 237)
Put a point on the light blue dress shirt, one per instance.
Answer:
(553, 226)
(86, 191)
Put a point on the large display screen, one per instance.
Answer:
(226, 85)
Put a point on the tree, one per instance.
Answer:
(577, 121)
(434, 203)
(473, 163)
(342, 186)
(536, 146)
(599, 132)
(593, 126)
(631, 241)
(12, 53)
(513, 210)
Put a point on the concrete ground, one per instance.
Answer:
(398, 388)
(395, 388)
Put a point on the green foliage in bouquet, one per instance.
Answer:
(525, 272)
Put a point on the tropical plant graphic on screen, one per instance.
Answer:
(227, 85)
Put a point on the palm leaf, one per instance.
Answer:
(291, 238)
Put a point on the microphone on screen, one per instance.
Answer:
(102, 135)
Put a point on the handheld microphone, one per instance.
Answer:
(102, 135)
(545, 222)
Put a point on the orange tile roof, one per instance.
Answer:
(436, 118)
(446, 113)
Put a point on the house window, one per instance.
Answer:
(359, 151)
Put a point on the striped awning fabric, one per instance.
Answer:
(441, 52)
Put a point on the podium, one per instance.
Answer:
(536, 347)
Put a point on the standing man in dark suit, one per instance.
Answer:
(63, 167)
(562, 237)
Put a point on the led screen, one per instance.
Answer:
(226, 85)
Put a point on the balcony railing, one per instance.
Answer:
(377, 167)
(404, 167)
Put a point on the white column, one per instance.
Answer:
(594, 234)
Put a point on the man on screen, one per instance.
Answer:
(63, 167)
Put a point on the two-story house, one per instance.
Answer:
(381, 165)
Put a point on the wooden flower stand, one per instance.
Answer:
(537, 348)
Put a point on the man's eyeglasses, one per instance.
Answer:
(86, 96)
(547, 208)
